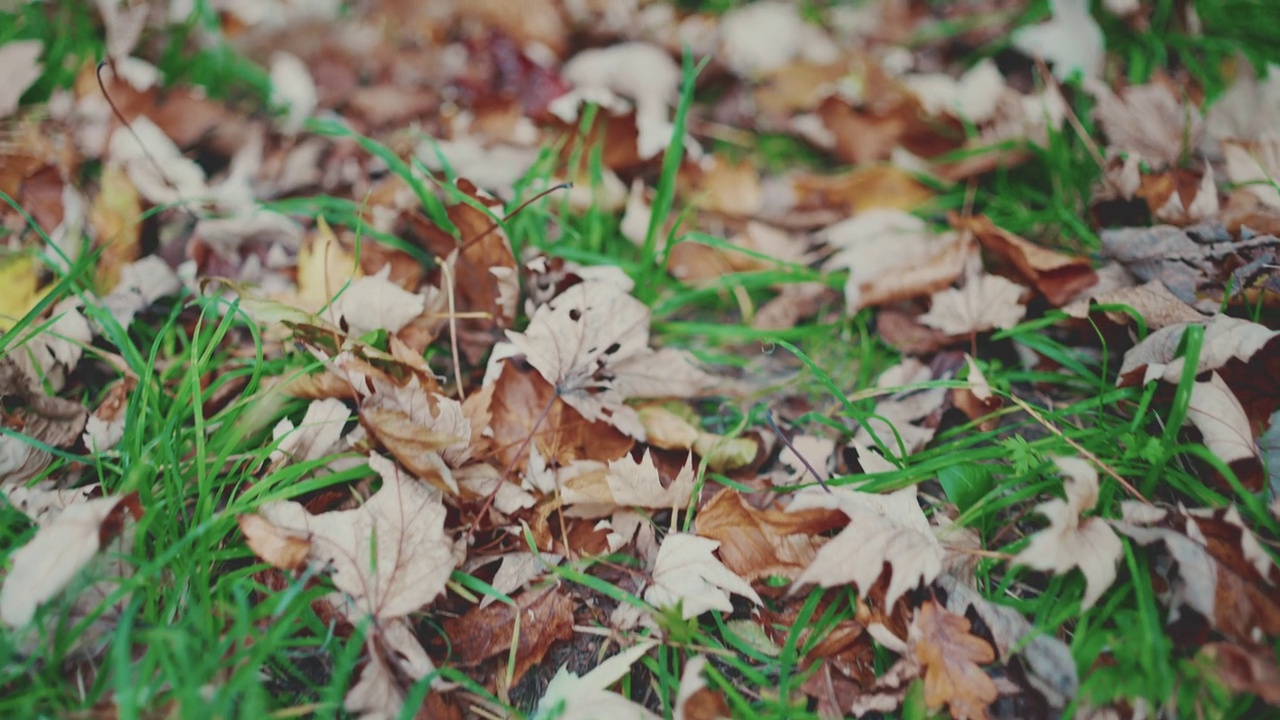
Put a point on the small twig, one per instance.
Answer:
(1080, 449)
(768, 416)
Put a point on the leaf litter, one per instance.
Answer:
(493, 438)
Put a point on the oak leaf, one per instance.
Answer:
(951, 657)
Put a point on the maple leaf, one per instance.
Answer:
(1147, 121)
(758, 543)
(541, 618)
(592, 343)
(987, 303)
(1071, 541)
(1070, 40)
(892, 255)
(19, 62)
(394, 655)
(951, 657)
(390, 555)
(628, 483)
(320, 431)
(883, 529)
(1057, 276)
(1224, 574)
(570, 697)
(72, 530)
(686, 573)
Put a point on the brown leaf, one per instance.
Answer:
(864, 188)
(545, 616)
(951, 657)
(759, 543)
(1246, 669)
(1057, 276)
(282, 548)
(1152, 301)
(985, 303)
(525, 405)
(1223, 572)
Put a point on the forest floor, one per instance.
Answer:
(630, 359)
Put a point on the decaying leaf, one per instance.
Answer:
(884, 530)
(539, 619)
(687, 574)
(1071, 541)
(987, 303)
(390, 556)
(761, 543)
(591, 343)
(1057, 276)
(66, 541)
(1223, 572)
(570, 697)
(891, 255)
(951, 657)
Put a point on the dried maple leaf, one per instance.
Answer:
(72, 530)
(987, 303)
(628, 483)
(591, 343)
(1224, 574)
(696, 701)
(316, 437)
(525, 406)
(390, 556)
(892, 255)
(1246, 669)
(1152, 301)
(759, 543)
(951, 657)
(687, 574)
(1057, 276)
(1070, 40)
(1071, 541)
(888, 529)
(570, 697)
(396, 661)
(542, 617)
(1147, 121)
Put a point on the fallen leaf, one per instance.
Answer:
(688, 575)
(537, 620)
(395, 656)
(892, 255)
(284, 549)
(1223, 572)
(1071, 40)
(951, 657)
(1147, 121)
(695, 700)
(66, 541)
(1246, 670)
(19, 62)
(1057, 276)
(884, 530)
(570, 697)
(591, 343)
(987, 303)
(391, 555)
(316, 437)
(1152, 301)
(763, 543)
(1071, 541)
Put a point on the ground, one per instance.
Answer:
(629, 358)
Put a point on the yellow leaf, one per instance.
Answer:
(116, 215)
(19, 288)
(324, 267)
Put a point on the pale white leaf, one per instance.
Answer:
(1071, 40)
(987, 303)
(1071, 541)
(687, 573)
(375, 303)
(391, 555)
(320, 431)
(882, 528)
(570, 697)
(293, 89)
(19, 61)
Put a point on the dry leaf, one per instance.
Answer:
(1223, 572)
(987, 303)
(1057, 276)
(1071, 40)
(761, 543)
(592, 343)
(1152, 301)
(391, 555)
(1147, 121)
(570, 697)
(541, 617)
(284, 549)
(1246, 669)
(892, 255)
(888, 529)
(19, 63)
(951, 657)
(66, 541)
(687, 574)
(1071, 541)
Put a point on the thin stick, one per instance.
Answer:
(768, 416)
(508, 216)
(1080, 449)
